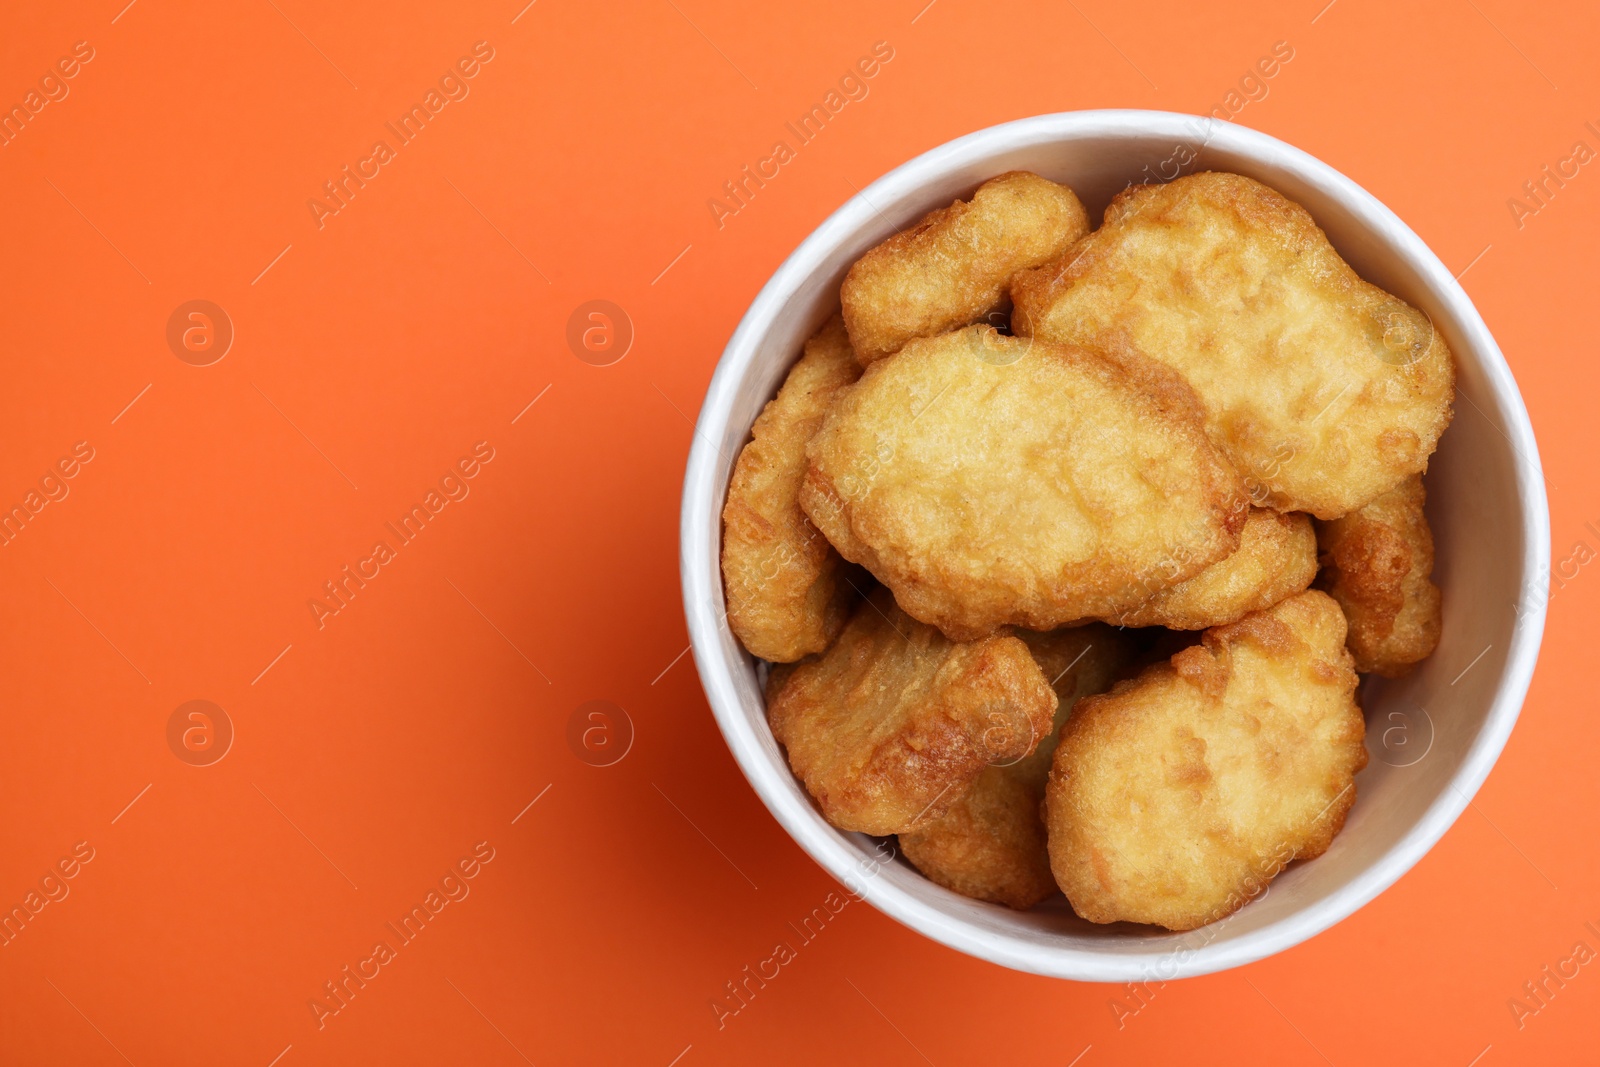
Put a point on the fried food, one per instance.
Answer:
(786, 594)
(1179, 795)
(1324, 391)
(990, 844)
(1277, 558)
(1376, 564)
(955, 266)
(1201, 405)
(989, 480)
(891, 724)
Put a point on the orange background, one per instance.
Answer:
(423, 718)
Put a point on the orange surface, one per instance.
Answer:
(380, 750)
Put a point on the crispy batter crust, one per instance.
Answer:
(990, 844)
(1376, 564)
(989, 480)
(1324, 391)
(955, 266)
(1277, 558)
(891, 724)
(1175, 798)
(786, 595)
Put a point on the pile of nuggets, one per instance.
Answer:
(1078, 603)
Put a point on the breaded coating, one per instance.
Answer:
(778, 676)
(1376, 564)
(1175, 798)
(955, 266)
(990, 480)
(1324, 391)
(990, 844)
(786, 595)
(891, 724)
(1277, 558)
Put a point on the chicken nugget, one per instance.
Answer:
(955, 266)
(1376, 564)
(990, 844)
(1324, 390)
(786, 594)
(989, 480)
(891, 724)
(1277, 558)
(1178, 796)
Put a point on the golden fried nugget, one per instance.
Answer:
(1376, 564)
(1324, 391)
(955, 266)
(1179, 795)
(990, 844)
(990, 480)
(891, 724)
(1277, 558)
(786, 595)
